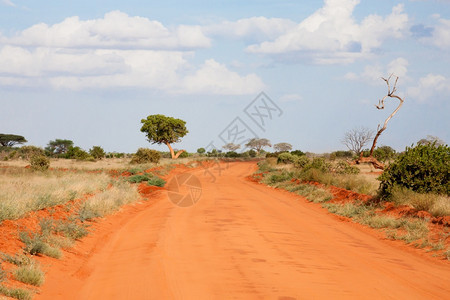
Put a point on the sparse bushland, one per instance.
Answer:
(408, 229)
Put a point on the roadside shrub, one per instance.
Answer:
(232, 154)
(184, 154)
(384, 153)
(423, 169)
(252, 153)
(301, 161)
(97, 152)
(150, 178)
(343, 167)
(39, 163)
(17, 259)
(144, 155)
(286, 158)
(320, 164)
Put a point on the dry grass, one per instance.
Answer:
(29, 274)
(109, 201)
(437, 205)
(24, 191)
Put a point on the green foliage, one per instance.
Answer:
(144, 155)
(150, 178)
(77, 153)
(232, 154)
(343, 167)
(184, 154)
(252, 153)
(319, 163)
(301, 161)
(160, 129)
(39, 163)
(423, 169)
(58, 147)
(97, 152)
(297, 152)
(201, 150)
(9, 140)
(286, 158)
(342, 154)
(384, 153)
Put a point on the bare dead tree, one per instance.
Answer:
(390, 94)
(357, 138)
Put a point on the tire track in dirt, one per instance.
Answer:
(242, 240)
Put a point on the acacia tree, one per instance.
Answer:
(282, 147)
(258, 144)
(58, 146)
(161, 129)
(357, 138)
(231, 147)
(430, 140)
(9, 140)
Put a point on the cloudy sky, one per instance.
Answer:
(89, 71)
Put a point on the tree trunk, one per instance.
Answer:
(172, 153)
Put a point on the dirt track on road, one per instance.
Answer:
(241, 240)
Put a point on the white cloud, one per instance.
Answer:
(115, 30)
(113, 52)
(215, 78)
(372, 73)
(254, 29)
(440, 36)
(8, 3)
(332, 35)
(430, 86)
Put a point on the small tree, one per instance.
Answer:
(164, 130)
(258, 144)
(429, 140)
(201, 150)
(58, 146)
(9, 140)
(357, 138)
(97, 152)
(231, 147)
(282, 147)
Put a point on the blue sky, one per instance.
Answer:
(89, 71)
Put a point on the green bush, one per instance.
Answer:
(144, 155)
(423, 169)
(320, 164)
(39, 163)
(77, 153)
(343, 167)
(298, 152)
(97, 152)
(286, 158)
(301, 161)
(150, 178)
(27, 152)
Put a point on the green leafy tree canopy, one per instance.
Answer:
(9, 140)
(58, 146)
(161, 129)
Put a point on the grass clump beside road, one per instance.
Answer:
(109, 201)
(29, 274)
(17, 293)
(149, 178)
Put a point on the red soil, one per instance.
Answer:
(241, 240)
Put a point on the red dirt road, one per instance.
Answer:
(241, 240)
